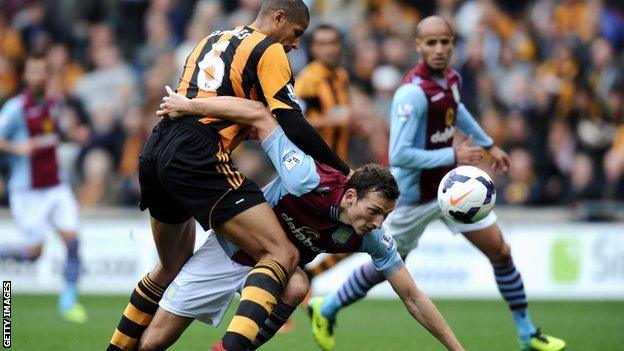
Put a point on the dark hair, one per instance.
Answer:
(321, 27)
(294, 10)
(373, 177)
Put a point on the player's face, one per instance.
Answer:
(367, 213)
(435, 45)
(326, 47)
(35, 73)
(288, 33)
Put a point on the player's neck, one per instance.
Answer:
(262, 25)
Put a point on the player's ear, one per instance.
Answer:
(278, 17)
(350, 196)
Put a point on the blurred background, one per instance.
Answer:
(544, 78)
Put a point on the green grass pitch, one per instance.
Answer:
(373, 325)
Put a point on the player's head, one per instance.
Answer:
(326, 45)
(35, 73)
(434, 42)
(370, 196)
(286, 21)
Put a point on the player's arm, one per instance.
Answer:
(469, 126)
(277, 85)
(408, 116)
(10, 114)
(238, 110)
(382, 249)
(422, 309)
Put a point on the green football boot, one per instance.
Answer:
(322, 328)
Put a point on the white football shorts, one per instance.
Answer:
(407, 223)
(206, 285)
(35, 210)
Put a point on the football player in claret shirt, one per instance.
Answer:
(38, 197)
(321, 210)
(426, 110)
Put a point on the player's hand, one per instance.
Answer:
(468, 154)
(500, 159)
(174, 105)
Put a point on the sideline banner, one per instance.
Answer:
(558, 260)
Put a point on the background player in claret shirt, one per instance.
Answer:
(426, 109)
(321, 209)
(186, 171)
(37, 196)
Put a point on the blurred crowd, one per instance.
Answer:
(545, 78)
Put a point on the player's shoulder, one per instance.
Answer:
(409, 92)
(14, 104)
(379, 239)
(311, 72)
(331, 179)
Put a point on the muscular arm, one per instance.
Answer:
(422, 309)
(237, 110)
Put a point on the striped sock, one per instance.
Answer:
(280, 314)
(137, 315)
(326, 264)
(263, 286)
(510, 285)
(356, 287)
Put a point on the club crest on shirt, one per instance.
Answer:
(342, 235)
(449, 117)
(291, 158)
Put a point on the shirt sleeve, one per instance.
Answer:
(408, 117)
(276, 79)
(382, 248)
(469, 126)
(9, 118)
(296, 170)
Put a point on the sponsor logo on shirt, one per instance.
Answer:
(388, 241)
(304, 234)
(443, 136)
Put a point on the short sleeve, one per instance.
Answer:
(276, 79)
(383, 250)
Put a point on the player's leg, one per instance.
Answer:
(293, 295)
(277, 258)
(163, 330)
(174, 243)
(203, 290)
(173, 230)
(29, 212)
(489, 240)
(64, 217)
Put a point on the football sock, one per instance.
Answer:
(263, 286)
(510, 285)
(137, 315)
(280, 314)
(71, 272)
(356, 287)
(326, 264)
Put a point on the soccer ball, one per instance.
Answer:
(466, 194)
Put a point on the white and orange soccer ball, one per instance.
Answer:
(466, 194)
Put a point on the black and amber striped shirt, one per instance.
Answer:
(241, 62)
(322, 89)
